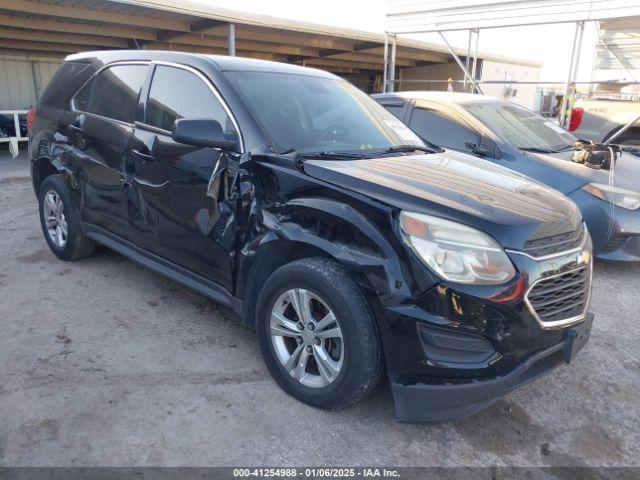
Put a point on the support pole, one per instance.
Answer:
(565, 99)
(461, 65)
(391, 75)
(385, 70)
(594, 63)
(579, 51)
(231, 40)
(475, 57)
(16, 125)
(466, 60)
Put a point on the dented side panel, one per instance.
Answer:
(281, 205)
(179, 203)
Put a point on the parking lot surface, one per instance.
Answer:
(106, 363)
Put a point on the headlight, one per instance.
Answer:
(626, 199)
(456, 252)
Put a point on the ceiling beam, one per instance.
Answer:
(34, 54)
(207, 24)
(261, 34)
(412, 54)
(42, 46)
(50, 37)
(328, 62)
(365, 45)
(370, 58)
(215, 51)
(103, 16)
(221, 42)
(83, 28)
(327, 52)
(196, 27)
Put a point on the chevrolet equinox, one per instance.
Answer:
(356, 250)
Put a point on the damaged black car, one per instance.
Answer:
(355, 250)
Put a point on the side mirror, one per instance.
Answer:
(485, 147)
(201, 132)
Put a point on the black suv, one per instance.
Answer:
(352, 247)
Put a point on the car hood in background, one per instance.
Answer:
(505, 204)
(626, 173)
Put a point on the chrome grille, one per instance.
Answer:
(554, 244)
(561, 299)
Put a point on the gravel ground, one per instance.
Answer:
(105, 363)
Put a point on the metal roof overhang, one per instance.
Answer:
(410, 16)
(619, 46)
(60, 27)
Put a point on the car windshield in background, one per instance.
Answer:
(520, 127)
(310, 114)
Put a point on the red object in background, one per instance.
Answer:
(576, 118)
(31, 114)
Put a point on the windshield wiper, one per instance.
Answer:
(537, 150)
(332, 155)
(410, 148)
(569, 146)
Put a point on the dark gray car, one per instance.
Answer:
(512, 136)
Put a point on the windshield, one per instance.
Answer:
(315, 114)
(520, 127)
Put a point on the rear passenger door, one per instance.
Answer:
(99, 134)
(176, 209)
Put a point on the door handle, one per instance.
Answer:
(145, 157)
(75, 128)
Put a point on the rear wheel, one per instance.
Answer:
(61, 222)
(317, 334)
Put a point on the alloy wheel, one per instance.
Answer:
(55, 219)
(307, 338)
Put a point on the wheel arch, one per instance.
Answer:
(41, 168)
(317, 227)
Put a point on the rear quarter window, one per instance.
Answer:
(65, 82)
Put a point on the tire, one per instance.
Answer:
(357, 353)
(74, 245)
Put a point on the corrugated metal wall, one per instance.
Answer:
(23, 80)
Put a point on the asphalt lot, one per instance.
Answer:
(106, 363)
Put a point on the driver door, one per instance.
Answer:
(175, 209)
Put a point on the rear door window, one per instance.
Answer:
(177, 93)
(116, 91)
(438, 128)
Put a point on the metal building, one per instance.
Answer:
(35, 35)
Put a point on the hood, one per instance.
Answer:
(626, 172)
(509, 206)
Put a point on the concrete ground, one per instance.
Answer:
(13, 167)
(106, 363)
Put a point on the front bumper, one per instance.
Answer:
(422, 402)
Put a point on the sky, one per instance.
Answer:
(550, 44)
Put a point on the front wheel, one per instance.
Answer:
(318, 335)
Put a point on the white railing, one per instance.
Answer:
(5, 137)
